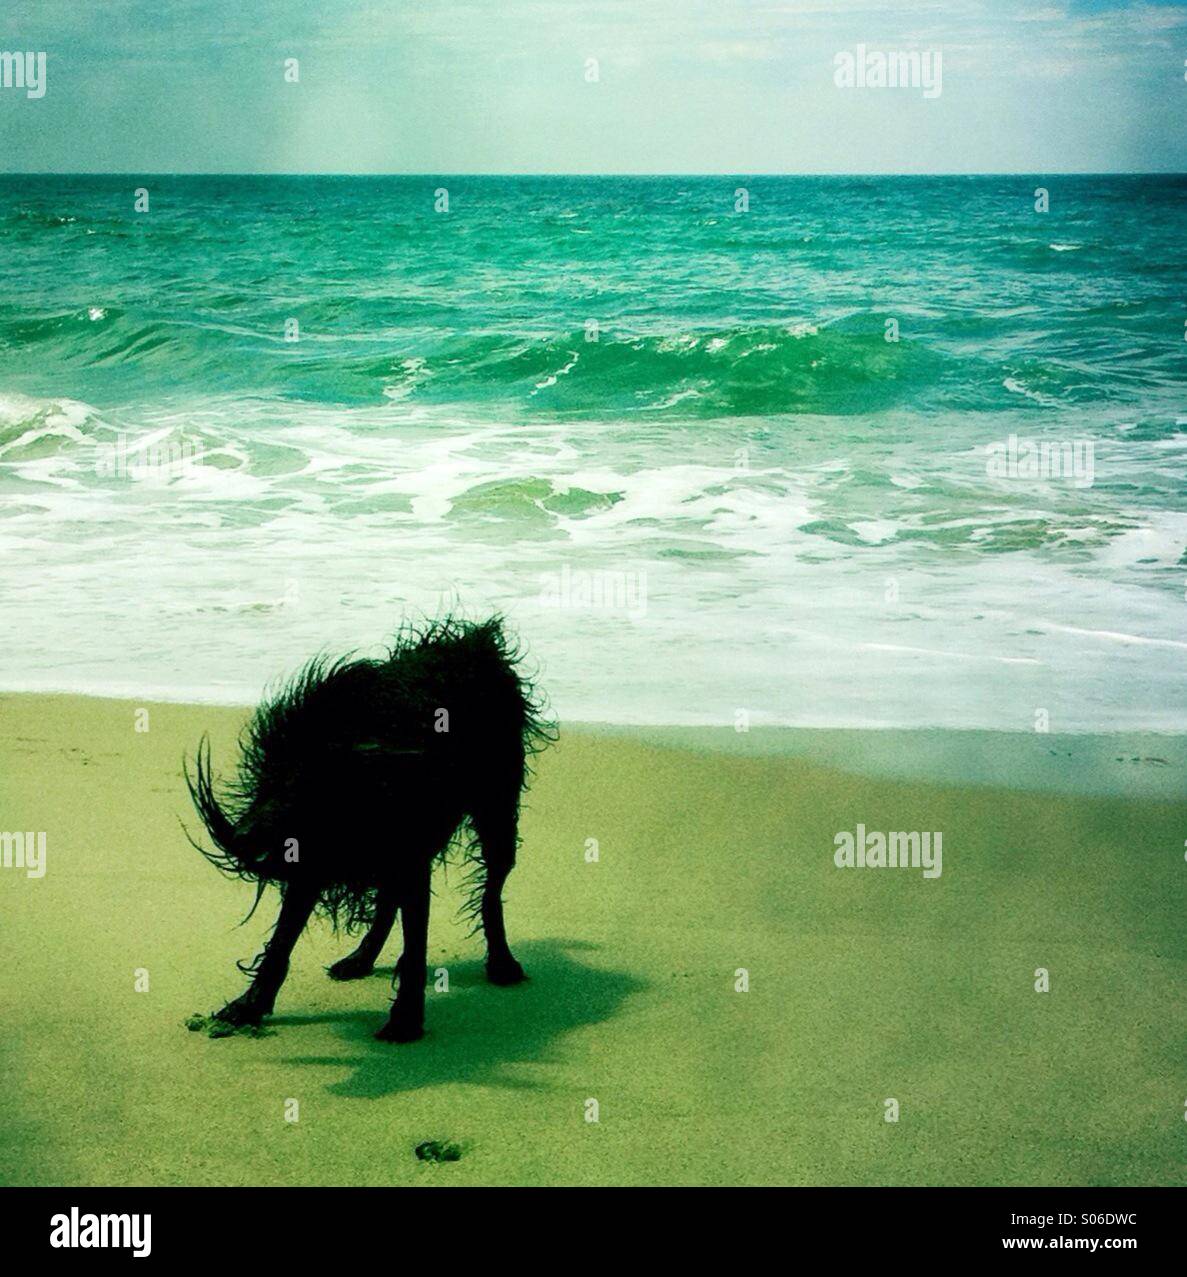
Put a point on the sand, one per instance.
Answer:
(865, 985)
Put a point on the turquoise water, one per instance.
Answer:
(669, 438)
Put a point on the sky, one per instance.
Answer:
(507, 86)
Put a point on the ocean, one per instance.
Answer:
(770, 450)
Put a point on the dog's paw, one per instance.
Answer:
(505, 971)
(351, 968)
(216, 1028)
(401, 1029)
(240, 1013)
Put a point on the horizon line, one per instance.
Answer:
(617, 175)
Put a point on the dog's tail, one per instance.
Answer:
(229, 856)
(218, 824)
(232, 854)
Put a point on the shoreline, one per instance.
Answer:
(1123, 764)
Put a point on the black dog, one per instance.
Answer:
(355, 778)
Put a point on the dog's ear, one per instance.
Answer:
(377, 749)
(359, 758)
(352, 769)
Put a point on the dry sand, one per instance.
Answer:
(864, 985)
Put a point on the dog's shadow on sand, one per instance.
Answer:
(474, 1031)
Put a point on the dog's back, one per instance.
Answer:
(371, 763)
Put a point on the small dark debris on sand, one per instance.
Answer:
(438, 1151)
(215, 1028)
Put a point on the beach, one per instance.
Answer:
(741, 1009)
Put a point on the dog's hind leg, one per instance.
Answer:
(362, 961)
(496, 827)
(407, 1020)
(273, 965)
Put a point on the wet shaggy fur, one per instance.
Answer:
(356, 777)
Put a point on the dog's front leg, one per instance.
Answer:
(259, 999)
(407, 1020)
(495, 825)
